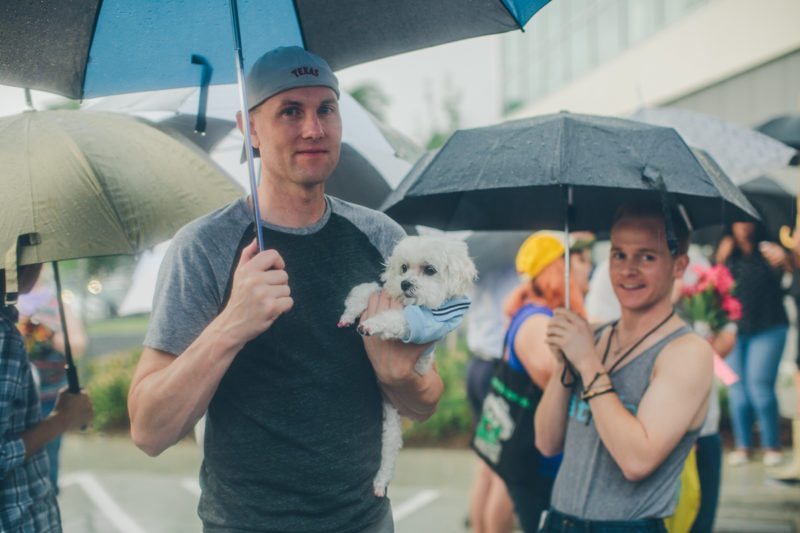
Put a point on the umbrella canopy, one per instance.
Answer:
(491, 250)
(355, 179)
(85, 184)
(774, 202)
(517, 175)
(786, 129)
(743, 153)
(147, 45)
(372, 163)
(771, 197)
(140, 45)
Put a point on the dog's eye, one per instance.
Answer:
(403, 268)
(429, 270)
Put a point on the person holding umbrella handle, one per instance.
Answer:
(294, 404)
(629, 419)
(27, 497)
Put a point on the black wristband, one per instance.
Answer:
(597, 392)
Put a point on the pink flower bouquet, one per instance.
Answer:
(710, 300)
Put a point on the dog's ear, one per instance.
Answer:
(391, 267)
(461, 270)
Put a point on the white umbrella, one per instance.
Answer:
(361, 133)
(743, 153)
(370, 167)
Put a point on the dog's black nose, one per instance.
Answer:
(405, 285)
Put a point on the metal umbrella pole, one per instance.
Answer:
(567, 252)
(237, 44)
(69, 367)
(568, 368)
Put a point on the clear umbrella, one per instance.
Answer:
(743, 153)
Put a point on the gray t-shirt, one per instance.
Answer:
(293, 432)
(589, 484)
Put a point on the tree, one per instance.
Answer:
(450, 104)
(372, 98)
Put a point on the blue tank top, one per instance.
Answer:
(547, 466)
(519, 318)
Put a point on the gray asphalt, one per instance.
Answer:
(110, 486)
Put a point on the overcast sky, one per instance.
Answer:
(471, 68)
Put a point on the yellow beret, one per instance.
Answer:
(538, 251)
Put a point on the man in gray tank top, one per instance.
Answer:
(628, 421)
(295, 404)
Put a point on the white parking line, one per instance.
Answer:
(414, 504)
(192, 485)
(406, 508)
(102, 500)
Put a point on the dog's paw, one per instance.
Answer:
(389, 324)
(380, 492)
(343, 324)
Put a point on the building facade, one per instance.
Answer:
(736, 59)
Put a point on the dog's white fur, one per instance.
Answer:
(424, 271)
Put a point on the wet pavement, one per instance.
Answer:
(108, 486)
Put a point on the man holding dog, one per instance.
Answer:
(628, 418)
(293, 430)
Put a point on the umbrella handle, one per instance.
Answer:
(787, 239)
(72, 373)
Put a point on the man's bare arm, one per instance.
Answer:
(530, 345)
(169, 394)
(71, 412)
(675, 401)
(413, 395)
(550, 420)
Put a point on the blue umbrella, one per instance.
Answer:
(85, 48)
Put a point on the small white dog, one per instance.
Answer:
(430, 276)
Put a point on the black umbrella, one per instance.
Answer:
(524, 174)
(562, 171)
(776, 205)
(786, 129)
(494, 249)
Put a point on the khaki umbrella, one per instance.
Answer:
(81, 184)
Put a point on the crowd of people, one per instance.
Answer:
(652, 405)
(581, 425)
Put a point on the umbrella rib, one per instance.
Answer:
(81, 87)
(513, 15)
(299, 24)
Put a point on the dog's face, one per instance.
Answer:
(428, 270)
